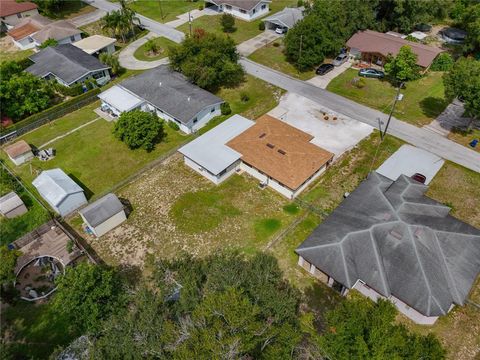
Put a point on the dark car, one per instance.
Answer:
(371, 73)
(419, 177)
(324, 68)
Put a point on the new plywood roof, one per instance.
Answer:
(281, 151)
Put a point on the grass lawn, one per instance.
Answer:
(273, 57)
(12, 229)
(423, 100)
(15, 55)
(31, 331)
(465, 139)
(71, 9)
(163, 45)
(169, 8)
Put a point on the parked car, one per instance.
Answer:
(324, 68)
(371, 73)
(419, 177)
(281, 30)
(340, 59)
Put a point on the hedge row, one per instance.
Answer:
(55, 111)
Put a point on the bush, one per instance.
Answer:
(443, 62)
(261, 26)
(173, 125)
(73, 90)
(225, 108)
(69, 247)
(151, 46)
(200, 7)
(112, 61)
(228, 23)
(49, 42)
(276, 44)
(244, 96)
(359, 83)
(412, 39)
(299, 3)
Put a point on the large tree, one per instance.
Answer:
(360, 329)
(463, 82)
(139, 129)
(7, 264)
(208, 60)
(403, 67)
(471, 23)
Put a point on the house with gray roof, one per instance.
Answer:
(167, 93)
(285, 19)
(12, 206)
(388, 240)
(68, 65)
(247, 10)
(62, 193)
(103, 215)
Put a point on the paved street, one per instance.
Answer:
(416, 136)
(85, 19)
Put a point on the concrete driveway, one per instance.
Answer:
(251, 45)
(336, 136)
(322, 81)
(128, 61)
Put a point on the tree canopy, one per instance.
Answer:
(228, 23)
(208, 60)
(403, 67)
(49, 42)
(139, 129)
(471, 23)
(7, 264)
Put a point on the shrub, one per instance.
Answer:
(412, 39)
(244, 96)
(151, 46)
(112, 61)
(359, 83)
(225, 108)
(228, 23)
(49, 42)
(200, 7)
(73, 90)
(299, 3)
(173, 125)
(276, 44)
(69, 246)
(261, 26)
(443, 62)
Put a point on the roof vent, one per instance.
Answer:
(188, 99)
(282, 152)
(160, 83)
(271, 146)
(262, 135)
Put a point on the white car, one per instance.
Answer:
(281, 30)
(340, 59)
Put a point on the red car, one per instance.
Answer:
(419, 177)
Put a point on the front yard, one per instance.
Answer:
(423, 100)
(465, 138)
(162, 45)
(164, 11)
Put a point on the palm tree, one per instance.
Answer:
(129, 16)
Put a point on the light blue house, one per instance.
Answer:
(62, 193)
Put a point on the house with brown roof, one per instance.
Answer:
(12, 12)
(374, 47)
(279, 155)
(247, 10)
(19, 152)
(22, 31)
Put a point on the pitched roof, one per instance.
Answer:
(384, 44)
(101, 210)
(210, 151)
(171, 92)
(399, 242)
(242, 4)
(57, 30)
(94, 43)
(66, 61)
(16, 149)
(287, 17)
(28, 26)
(11, 7)
(9, 202)
(54, 186)
(281, 151)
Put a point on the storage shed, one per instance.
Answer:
(104, 214)
(12, 206)
(19, 152)
(62, 193)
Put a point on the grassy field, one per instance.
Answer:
(273, 57)
(465, 139)
(423, 100)
(71, 9)
(163, 45)
(15, 55)
(170, 9)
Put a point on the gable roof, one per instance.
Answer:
(281, 151)
(57, 30)
(94, 43)
(210, 151)
(28, 26)
(101, 210)
(54, 186)
(399, 242)
(66, 61)
(287, 17)
(171, 92)
(242, 4)
(16, 149)
(10, 202)
(384, 44)
(11, 7)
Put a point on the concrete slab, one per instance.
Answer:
(409, 160)
(251, 45)
(336, 136)
(322, 81)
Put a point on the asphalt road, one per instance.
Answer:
(419, 137)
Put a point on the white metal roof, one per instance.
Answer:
(210, 151)
(9, 202)
(54, 185)
(409, 160)
(120, 98)
(94, 43)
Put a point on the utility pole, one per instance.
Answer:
(397, 98)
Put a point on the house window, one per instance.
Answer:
(195, 120)
(254, 11)
(228, 7)
(19, 16)
(98, 75)
(264, 6)
(72, 38)
(213, 109)
(243, 11)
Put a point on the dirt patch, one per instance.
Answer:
(6, 45)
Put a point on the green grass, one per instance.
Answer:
(291, 209)
(33, 331)
(71, 9)
(15, 55)
(169, 8)
(273, 57)
(423, 100)
(465, 138)
(163, 45)
(264, 228)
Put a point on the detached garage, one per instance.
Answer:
(19, 152)
(103, 215)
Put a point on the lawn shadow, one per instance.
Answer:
(433, 106)
(88, 193)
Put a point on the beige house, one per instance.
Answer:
(19, 152)
(12, 206)
(103, 215)
(12, 11)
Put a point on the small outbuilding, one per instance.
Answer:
(19, 152)
(12, 206)
(62, 193)
(285, 19)
(104, 214)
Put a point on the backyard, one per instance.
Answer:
(164, 10)
(423, 100)
(162, 45)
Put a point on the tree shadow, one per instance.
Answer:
(128, 206)
(86, 190)
(433, 106)
(319, 299)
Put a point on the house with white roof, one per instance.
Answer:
(62, 193)
(247, 10)
(96, 44)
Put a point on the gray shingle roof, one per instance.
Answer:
(171, 92)
(399, 242)
(242, 4)
(287, 17)
(101, 210)
(66, 61)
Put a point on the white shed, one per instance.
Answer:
(12, 206)
(62, 193)
(104, 214)
(19, 152)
